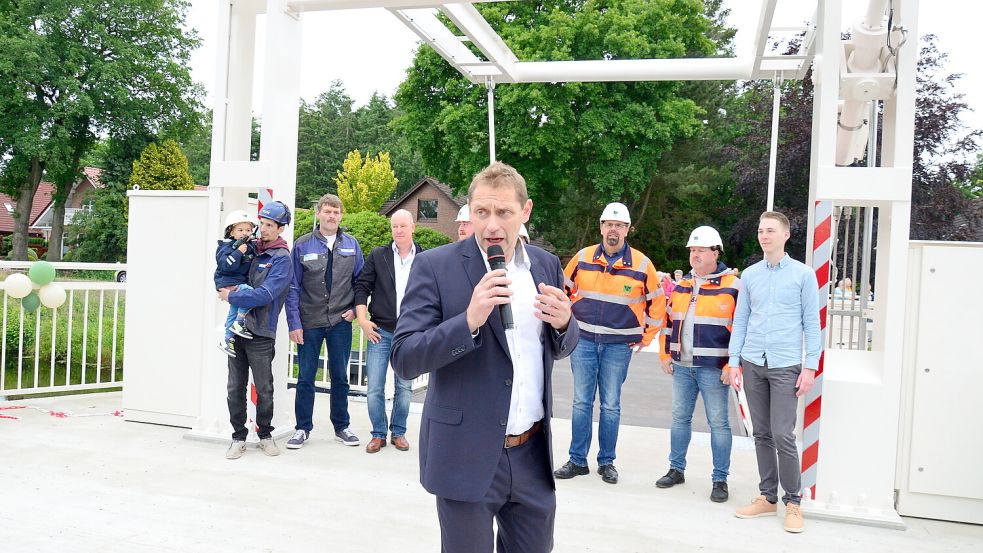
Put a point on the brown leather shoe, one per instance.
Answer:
(400, 443)
(375, 444)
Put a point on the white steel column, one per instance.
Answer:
(776, 104)
(278, 150)
(490, 84)
(861, 389)
(233, 176)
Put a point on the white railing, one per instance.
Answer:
(77, 346)
(357, 377)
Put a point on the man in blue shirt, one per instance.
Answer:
(778, 306)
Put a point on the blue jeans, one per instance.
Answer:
(597, 368)
(235, 313)
(377, 366)
(686, 383)
(339, 342)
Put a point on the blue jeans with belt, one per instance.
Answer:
(598, 369)
(376, 367)
(687, 382)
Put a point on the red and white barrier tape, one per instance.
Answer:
(54, 413)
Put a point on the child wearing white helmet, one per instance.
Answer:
(232, 259)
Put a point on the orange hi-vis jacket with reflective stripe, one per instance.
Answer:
(713, 318)
(617, 304)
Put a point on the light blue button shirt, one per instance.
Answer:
(776, 307)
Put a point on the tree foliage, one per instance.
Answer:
(579, 145)
(944, 153)
(330, 127)
(162, 167)
(72, 70)
(365, 184)
(369, 228)
(100, 235)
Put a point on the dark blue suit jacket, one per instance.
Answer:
(467, 407)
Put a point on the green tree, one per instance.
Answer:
(73, 70)
(369, 228)
(162, 167)
(364, 185)
(579, 145)
(100, 236)
(303, 221)
(429, 238)
(325, 136)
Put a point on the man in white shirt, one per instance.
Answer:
(485, 449)
(384, 278)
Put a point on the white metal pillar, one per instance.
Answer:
(233, 176)
(861, 389)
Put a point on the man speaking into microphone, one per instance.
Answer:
(485, 443)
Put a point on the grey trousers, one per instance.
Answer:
(771, 397)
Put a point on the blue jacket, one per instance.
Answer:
(467, 407)
(231, 265)
(269, 275)
(323, 281)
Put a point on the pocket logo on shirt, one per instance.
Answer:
(348, 251)
(310, 256)
(626, 289)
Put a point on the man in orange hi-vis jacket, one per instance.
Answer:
(619, 305)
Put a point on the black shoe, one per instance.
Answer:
(671, 478)
(719, 493)
(608, 473)
(569, 470)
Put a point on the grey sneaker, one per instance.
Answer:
(297, 440)
(240, 329)
(269, 447)
(228, 348)
(236, 450)
(347, 437)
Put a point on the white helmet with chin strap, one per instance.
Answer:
(239, 216)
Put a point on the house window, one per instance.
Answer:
(426, 210)
(87, 204)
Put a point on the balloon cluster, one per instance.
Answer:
(36, 287)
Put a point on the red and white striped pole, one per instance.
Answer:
(822, 253)
(263, 196)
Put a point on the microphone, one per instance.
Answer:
(496, 260)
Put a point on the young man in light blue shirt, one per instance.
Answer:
(778, 306)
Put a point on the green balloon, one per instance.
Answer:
(31, 302)
(41, 272)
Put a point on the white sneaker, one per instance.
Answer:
(269, 447)
(347, 437)
(236, 450)
(297, 440)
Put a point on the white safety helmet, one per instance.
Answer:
(705, 237)
(463, 214)
(616, 211)
(239, 216)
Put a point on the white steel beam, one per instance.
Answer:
(764, 31)
(431, 30)
(481, 34)
(679, 69)
(327, 5)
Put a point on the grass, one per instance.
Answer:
(71, 366)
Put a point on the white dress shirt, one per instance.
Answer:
(525, 348)
(402, 271)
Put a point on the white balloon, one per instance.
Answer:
(18, 285)
(52, 295)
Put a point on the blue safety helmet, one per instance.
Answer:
(276, 211)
